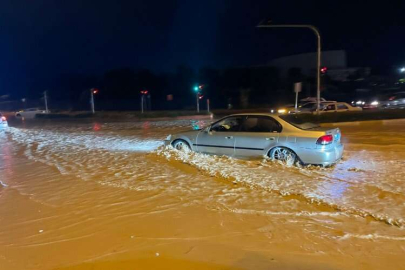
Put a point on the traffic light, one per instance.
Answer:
(144, 92)
(198, 87)
(324, 70)
(95, 91)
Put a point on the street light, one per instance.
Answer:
(402, 70)
(313, 28)
(93, 91)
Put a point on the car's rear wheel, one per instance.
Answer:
(181, 145)
(285, 155)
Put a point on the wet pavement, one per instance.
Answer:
(77, 195)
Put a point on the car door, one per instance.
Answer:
(219, 139)
(257, 135)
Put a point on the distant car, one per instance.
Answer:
(29, 113)
(339, 107)
(307, 107)
(393, 101)
(366, 103)
(280, 137)
(3, 121)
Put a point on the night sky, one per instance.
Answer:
(42, 39)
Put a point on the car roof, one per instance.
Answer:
(246, 114)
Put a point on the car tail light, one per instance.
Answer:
(325, 139)
(3, 118)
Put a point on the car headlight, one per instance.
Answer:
(282, 111)
(375, 103)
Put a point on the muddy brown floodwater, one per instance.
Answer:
(110, 196)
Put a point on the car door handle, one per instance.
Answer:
(270, 139)
(229, 137)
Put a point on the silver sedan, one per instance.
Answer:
(280, 137)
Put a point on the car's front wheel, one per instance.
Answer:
(285, 155)
(181, 145)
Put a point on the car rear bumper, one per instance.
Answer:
(322, 156)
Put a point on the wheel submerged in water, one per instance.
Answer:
(181, 145)
(284, 155)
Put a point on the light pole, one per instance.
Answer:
(143, 94)
(93, 91)
(46, 102)
(316, 31)
(196, 90)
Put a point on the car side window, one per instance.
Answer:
(230, 124)
(330, 107)
(342, 107)
(260, 124)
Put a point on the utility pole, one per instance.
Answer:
(208, 105)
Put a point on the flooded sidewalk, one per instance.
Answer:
(110, 196)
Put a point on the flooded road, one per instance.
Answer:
(110, 196)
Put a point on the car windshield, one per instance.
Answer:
(298, 121)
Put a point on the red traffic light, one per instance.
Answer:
(95, 91)
(323, 70)
(144, 92)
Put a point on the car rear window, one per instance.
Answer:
(342, 107)
(299, 121)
